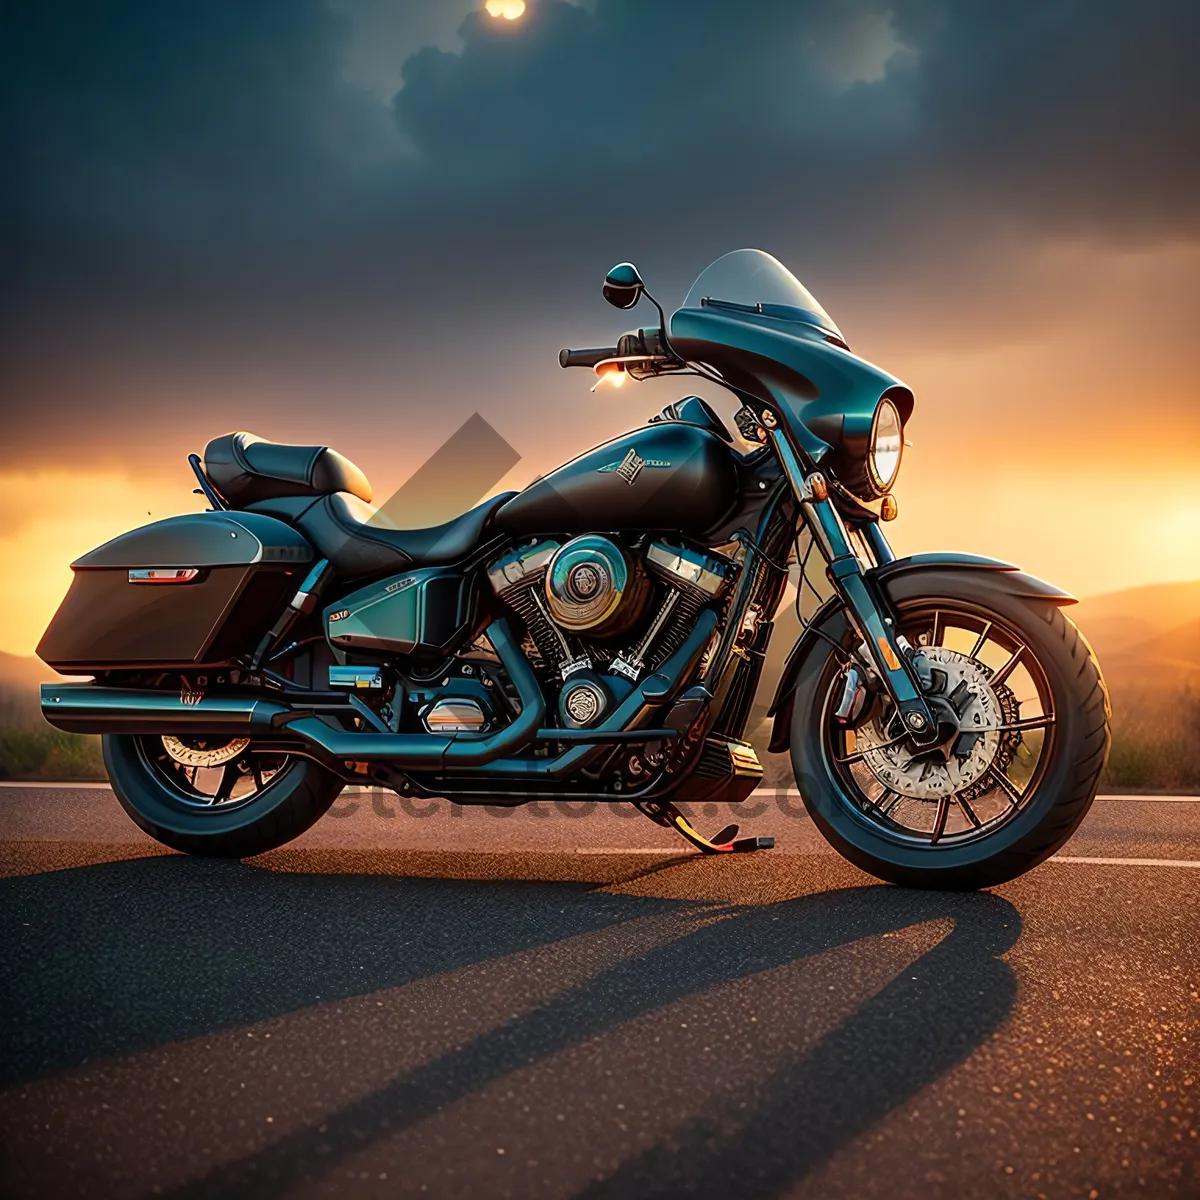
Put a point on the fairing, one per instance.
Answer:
(768, 335)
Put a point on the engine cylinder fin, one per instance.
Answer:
(682, 619)
(548, 641)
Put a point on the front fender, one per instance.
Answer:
(1009, 577)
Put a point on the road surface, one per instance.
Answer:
(536, 1004)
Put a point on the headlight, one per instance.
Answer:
(887, 445)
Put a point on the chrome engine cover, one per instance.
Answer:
(454, 714)
(583, 701)
(591, 585)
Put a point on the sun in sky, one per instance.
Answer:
(510, 10)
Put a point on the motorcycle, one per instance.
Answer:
(600, 634)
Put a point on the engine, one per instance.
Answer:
(593, 587)
(581, 602)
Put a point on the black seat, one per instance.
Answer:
(246, 469)
(359, 542)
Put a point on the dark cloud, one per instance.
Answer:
(202, 182)
(1086, 109)
(204, 103)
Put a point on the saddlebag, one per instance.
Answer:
(193, 590)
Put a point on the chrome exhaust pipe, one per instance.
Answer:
(426, 751)
(92, 708)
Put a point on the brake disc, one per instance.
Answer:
(201, 752)
(976, 746)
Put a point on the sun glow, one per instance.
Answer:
(52, 516)
(509, 10)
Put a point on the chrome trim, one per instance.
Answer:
(520, 564)
(701, 571)
(879, 487)
(586, 581)
(163, 574)
(458, 715)
(583, 702)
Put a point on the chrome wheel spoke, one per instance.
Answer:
(859, 755)
(1006, 785)
(969, 812)
(934, 633)
(1003, 672)
(885, 802)
(981, 641)
(229, 777)
(939, 820)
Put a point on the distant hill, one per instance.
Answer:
(1118, 622)
(1160, 664)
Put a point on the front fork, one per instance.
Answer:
(863, 606)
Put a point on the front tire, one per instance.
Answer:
(257, 803)
(1017, 807)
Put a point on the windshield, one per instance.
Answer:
(752, 279)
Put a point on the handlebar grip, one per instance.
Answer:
(585, 358)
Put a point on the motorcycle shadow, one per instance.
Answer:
(156, 950)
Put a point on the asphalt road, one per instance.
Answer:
(536, 1004)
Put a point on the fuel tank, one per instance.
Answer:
(668, 476)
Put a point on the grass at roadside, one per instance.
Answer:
(50, 754)
(1156, 742)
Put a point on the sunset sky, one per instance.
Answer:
(360, 222)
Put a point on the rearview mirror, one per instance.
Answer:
(623, 285)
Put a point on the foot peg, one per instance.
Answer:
(725, 842)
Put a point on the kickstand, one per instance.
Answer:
(663, 812)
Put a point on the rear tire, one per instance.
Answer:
(1058, 794)
(290, 802)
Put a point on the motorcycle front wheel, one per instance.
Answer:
(1024, 714)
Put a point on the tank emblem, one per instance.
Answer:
(340, 615)
(631, 466)
(401, 584)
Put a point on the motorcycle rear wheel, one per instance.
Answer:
(252, 803)
(1029, 786)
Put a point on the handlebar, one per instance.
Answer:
(643, 342)
(585, 358)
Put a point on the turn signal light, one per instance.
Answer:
(889, 510)
(614, 374)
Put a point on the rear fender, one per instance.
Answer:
(829, 620)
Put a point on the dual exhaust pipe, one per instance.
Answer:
(90, 708)
(93, 708)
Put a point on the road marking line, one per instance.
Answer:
(1191, 864)
(1155, 799)
(37, 785)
